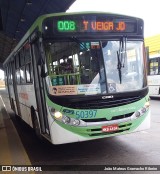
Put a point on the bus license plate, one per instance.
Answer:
(110, 128)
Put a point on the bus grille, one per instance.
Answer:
(99, 104)
(113, 118)
(98, 132)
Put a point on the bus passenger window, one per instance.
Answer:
(17, 61)
(22, 74)
(27, 53)
(9, 74)
(28, 73)
(18, 76)
(21, 54)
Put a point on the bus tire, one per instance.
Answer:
(36, 126)
(13, 106)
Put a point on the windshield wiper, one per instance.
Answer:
(121, 56)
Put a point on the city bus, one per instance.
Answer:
(80, 76)
(154, 76)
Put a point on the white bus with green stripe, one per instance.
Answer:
(80, 76)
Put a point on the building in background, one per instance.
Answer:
(153, 43)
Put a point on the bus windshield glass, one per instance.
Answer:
(94, 67)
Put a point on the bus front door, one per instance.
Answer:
(39, 89)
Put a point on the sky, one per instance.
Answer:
(148, 10)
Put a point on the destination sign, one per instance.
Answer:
(92, 23)
(91, 26)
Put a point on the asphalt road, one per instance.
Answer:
(141, 148)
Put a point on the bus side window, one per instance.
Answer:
(27, 53)
(22, 74)
(10, 73)
(21, 55)
(17, 61)
(28, 73)
(18, 76)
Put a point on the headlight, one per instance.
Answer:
(147, 104)
(51, 110)
(143, 110)
(70, 121)
(137, 114)
(66, 120)
(54, 113)
(76, 122)
(63, 118)
(58, 115)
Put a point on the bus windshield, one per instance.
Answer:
(94, 67)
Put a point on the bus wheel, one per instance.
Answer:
(36, 126)
(13, 106)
